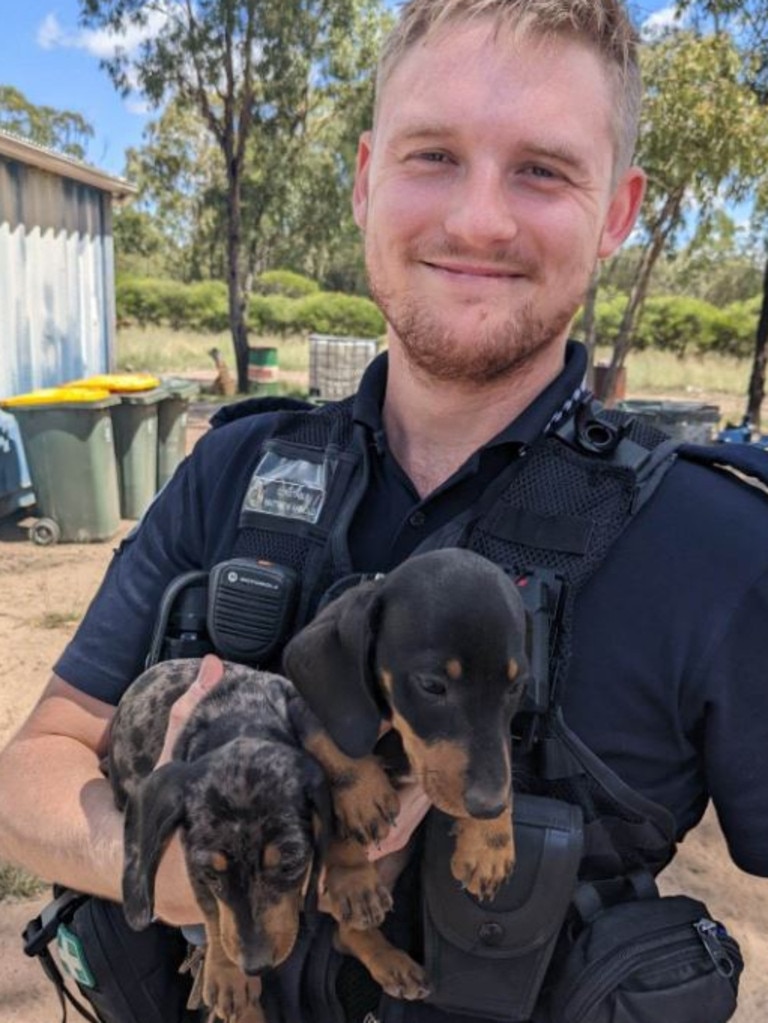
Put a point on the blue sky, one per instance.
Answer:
(53, 61)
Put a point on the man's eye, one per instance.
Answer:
(432, 157)
(544, 173)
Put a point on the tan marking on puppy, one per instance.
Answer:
(440, 767)
(281, 922)
(219, 862)
(390, 967)
(271, 856)
(484, 856)
(364, 802)
(453, 669)
(513, 669)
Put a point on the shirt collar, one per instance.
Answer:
(554, 402)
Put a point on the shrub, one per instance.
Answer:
(334, 313)
(285, 282)
(204, 306)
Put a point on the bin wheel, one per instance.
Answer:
(45, 532)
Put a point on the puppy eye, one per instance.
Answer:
(432, 685)
(214, 880)
(517, 689)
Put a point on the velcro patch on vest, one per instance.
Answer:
(290, 488)
(563, 533)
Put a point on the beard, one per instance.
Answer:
(500, 348)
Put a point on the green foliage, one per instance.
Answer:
(682, 325)
(63, 130)
(204, 306)
(285, 282)
(331, 313)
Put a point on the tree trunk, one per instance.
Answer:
(237, 291)
(757, 377)
(665, 223)
(590, 301)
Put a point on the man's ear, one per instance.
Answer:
(360, 190)
(623, 210)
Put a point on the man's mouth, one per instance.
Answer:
(474, 270)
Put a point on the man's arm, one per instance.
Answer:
(57, 816)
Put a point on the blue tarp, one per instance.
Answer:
(15, 484)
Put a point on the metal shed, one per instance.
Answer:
(57, 304)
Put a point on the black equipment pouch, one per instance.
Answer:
(647, 960)
(122, 976)
(489, 959)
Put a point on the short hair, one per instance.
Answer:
(603, 25)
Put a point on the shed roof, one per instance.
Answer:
(16, 148)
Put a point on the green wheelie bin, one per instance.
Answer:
(134, 419)
(135, 422)
(172, 425)
(69, 447)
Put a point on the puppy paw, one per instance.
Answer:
(400, 976)
(364, 802)
(230, 994)
(484, 856)
(390, 967)
(356, 896)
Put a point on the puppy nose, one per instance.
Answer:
(253, 969)
(256, 963)
(482, 809)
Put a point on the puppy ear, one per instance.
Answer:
(329, 662)
(151, 815)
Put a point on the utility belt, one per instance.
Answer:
(579, 933)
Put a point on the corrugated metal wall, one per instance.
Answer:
(56, 279)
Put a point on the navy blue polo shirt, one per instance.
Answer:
(667, 681)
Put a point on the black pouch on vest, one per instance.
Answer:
(488, 959)
(656, 960)
(125, 976)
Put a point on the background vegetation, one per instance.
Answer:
(243, 222)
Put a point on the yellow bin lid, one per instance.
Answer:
(125, 382)
(56, 396)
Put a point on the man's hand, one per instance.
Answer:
(175, 901)
(210, 674)
(413, 808)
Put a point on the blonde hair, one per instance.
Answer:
(603, 25)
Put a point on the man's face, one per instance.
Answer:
(486, 198)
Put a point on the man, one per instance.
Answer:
(497, 174)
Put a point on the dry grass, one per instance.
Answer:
(660, 371)
(162, 350)
(650, 374)
(16, 883)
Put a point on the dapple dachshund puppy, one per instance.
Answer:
(249, 803)
(437, 650)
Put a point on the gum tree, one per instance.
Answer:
(703, 142)
(253, 70)
(63, 130)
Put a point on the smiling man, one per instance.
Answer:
(494, 179)
(497, 174)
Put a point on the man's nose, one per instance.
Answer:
(481, 212)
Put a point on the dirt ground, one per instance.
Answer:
(44, 593)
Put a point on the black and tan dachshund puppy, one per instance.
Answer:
(249, 803)
(437, 650)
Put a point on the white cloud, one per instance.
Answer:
(138, 106)
(667, 19)
(101, 43)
